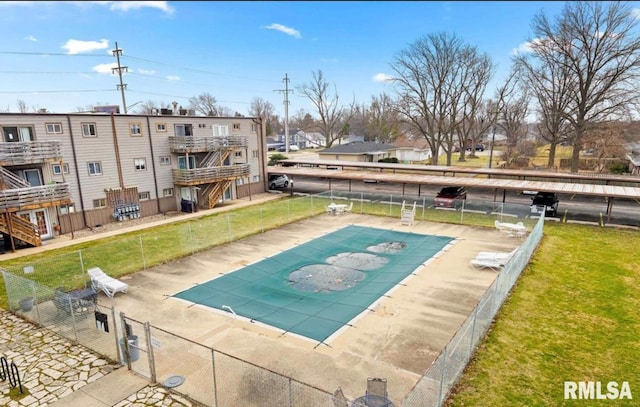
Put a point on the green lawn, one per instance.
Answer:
(574, 315)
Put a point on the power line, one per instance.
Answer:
(56, 91)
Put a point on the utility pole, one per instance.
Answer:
(286, 91)
(122, 86)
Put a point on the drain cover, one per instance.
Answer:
(173, 381)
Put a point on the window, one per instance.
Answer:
(140, 164)
(144, 196)
(135, 129)
(165, 160)
(99, 203)
(254, 127)
(57, 169)
(220, 130)
(89, 130)
(237, 154)
(255, 153)
(167, 192)
(13, 133)
(239, 181)
(53, 128)
(184, 130)
(256, 178)
(236, 126)
(95, 168)
(162, 127)
(66, 209)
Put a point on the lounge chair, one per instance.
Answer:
(109, 285)
(496, 255)
(488, 263)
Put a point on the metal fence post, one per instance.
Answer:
(261, 221)
(191, 238)
(152, 362)
(462, 212)
(473, 329)
(81, 265)
(144, 264)
(215, 387)
(442, 373)
(125, 341)
(229, 228)
(390, 205)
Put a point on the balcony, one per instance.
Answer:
(29, 152)
(193, 144)
(199, 176)
(20, 199)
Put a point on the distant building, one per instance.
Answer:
(359, 151)
(412, 149)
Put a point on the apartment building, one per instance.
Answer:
(64, 172)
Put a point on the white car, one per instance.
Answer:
(279, 181)
(293, 147)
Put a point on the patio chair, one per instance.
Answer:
(497, 255)
(495, 264)
(109, 285)
(349, 208)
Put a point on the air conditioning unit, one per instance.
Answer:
(166, 112)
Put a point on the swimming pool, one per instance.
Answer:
(317, 287)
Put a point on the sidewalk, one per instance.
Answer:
(66, 240)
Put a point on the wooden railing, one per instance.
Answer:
(19, 199)
(9, 180)
(20, 229)
(213, 193)
(200, 144)
(199, 176)
(29, 152)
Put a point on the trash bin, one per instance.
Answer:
(186, 206)
(134, 352)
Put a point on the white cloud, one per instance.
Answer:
(382, 77)
(113, 5)
(31, 38)
(77, 46)
(146, 71)
(284, 29)
(105, 68)
(524, 48)
(173, 78)
(134, 5)
(636, 13)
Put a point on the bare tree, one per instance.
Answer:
(595, 44)
(206, 104)
(332, 115)
(383, 121)
(435, 75)
(22, 106)
(264, 109)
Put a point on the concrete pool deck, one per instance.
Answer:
(397, 340)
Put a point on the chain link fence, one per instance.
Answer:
(217, 379)
(434, 387)
(82, 321)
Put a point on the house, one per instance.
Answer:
(359, 151)
(76, 170)
(633, 156)
(412, 149)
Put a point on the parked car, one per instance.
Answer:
(292, 147)
(448, 196)
(279, 181)
(479, 147)
(546, 202)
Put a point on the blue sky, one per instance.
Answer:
(57, 55)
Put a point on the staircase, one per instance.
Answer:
(213, 192)
(20, 229)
